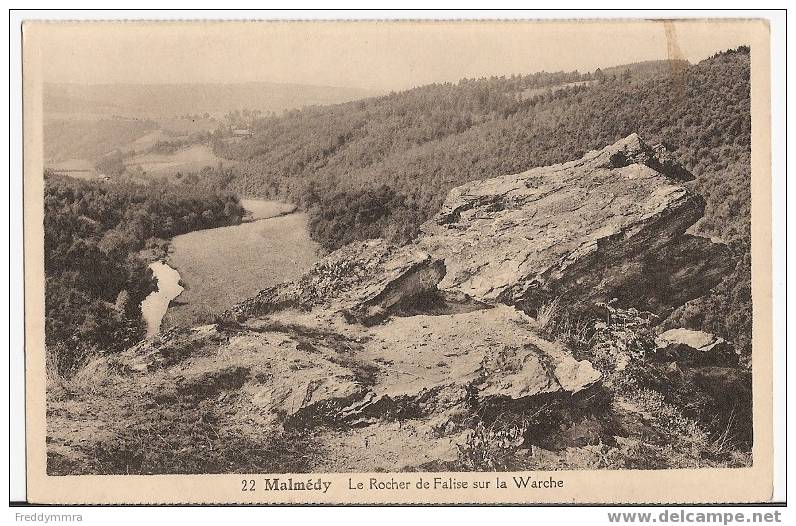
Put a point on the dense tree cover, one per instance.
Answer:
(403, 152)
(424, 141)
(287, 151)
(95, 280)
(351, 215)
(642, 71)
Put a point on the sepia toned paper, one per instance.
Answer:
(116, 53)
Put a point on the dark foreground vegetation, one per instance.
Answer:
(380, 167)
(95, 279)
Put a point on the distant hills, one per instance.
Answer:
(168, 100)
(86, 122)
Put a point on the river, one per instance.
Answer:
(219, 267)
(154, 306)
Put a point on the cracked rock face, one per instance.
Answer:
(609, 225)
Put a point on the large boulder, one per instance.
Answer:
(609, 225)
(687, 346)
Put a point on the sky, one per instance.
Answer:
(379, 56)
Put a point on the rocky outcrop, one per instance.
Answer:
(441, 326)
(609, 225)
(408, 357)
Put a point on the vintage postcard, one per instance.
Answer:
(398, 261)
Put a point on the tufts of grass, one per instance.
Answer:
(491, 446)
(547, 313)
(54, 377)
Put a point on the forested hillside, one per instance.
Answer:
(382, 166)
(95, 280)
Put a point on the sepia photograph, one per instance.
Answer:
(426, 251)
